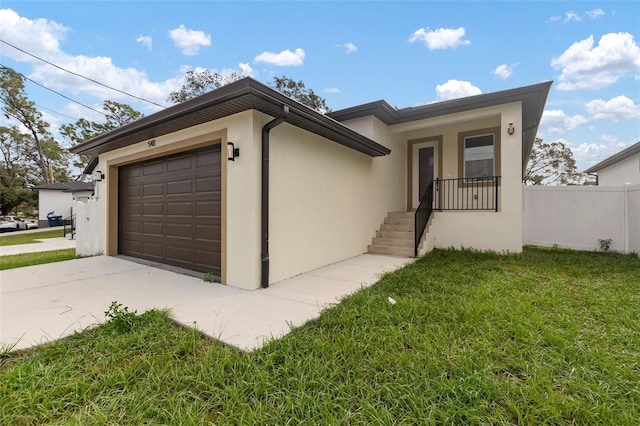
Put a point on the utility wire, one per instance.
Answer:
(59, 94)
(80, 75)
(56, 112)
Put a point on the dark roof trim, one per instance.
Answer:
(90, 166)
(66, 186)
(239, 96)
(615, 158)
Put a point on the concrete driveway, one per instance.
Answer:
(47, 302)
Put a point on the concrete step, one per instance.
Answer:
(399, 220)
(401, 235)
(392, 250)
(406, 227)
(401, 214)
(396, 242)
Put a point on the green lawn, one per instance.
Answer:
(546, 337)
(38, 258)
(7, 239)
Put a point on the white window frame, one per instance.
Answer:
(493, 156)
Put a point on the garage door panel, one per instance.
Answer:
(170, 210)
(182, 187)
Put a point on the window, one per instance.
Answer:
(479, 153)
(479, 156)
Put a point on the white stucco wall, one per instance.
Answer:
(328, 200)
(55, 201)
(626, 171)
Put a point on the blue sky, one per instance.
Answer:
(408, 53)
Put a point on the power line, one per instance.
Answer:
(81, 76)
(56, 112)
(58, 93)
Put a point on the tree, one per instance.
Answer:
(117, 115)
(297, 90)
(40, 148)
(551, 164)
(14, 174)
(199, 83)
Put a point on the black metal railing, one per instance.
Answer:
(423, 212)
(478, 194)
(467, 193)
(69, 226)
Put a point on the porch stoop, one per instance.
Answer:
(396, 235)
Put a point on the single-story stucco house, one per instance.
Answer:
(57, 199)
(254, 187)
(619, 169)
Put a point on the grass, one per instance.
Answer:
(38, 258)
(29, 238)
(545, 337)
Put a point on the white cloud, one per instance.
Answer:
(245, 69)
(595, 13)
(589, 154)
(454, 89)
(555, 18)
(348, 47)
(147, 41)
(556, 121)
(332, 90)
(504, 71)
(618, 108)
(189, 41)
(442, 38)
(284, 58)
(40, 37)
(571, 16)
(587, 67)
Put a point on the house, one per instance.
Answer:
(57, 198)
(254, 187)
(619, 169)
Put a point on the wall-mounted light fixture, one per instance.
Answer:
(511, 130)
(232, 151)
(98, 176)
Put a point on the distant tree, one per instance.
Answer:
(298, 91)
(199, 83)
(44, 156)
(117, 115)
(15, 172)
(551, 164)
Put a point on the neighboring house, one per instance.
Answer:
(620, 168)
(302, 189)
(57, 198)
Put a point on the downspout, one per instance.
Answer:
(264, 228)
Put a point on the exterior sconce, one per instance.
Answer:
(98, 176)
(232, 151)
(511, 130)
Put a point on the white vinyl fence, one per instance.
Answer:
(578, 217)
(86, 226)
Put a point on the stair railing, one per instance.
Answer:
(423, 213)
(71, 223)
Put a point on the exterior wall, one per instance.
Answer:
(327, 200)
(576, 217)
(498, 231)
(55, 201)
(240, 191)
(626, 171)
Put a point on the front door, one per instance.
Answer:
(424, 168)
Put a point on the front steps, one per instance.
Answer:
(396, 235)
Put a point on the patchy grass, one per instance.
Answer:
(546, 337)
(29, 238)
(38, 258)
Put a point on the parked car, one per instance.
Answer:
(11, 223)
(7, 225)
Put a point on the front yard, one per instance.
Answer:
(546, 337)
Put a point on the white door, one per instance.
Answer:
(424, 168)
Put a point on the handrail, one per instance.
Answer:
(72, 226)
(478, 193)
(423, 213)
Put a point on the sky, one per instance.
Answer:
(350, 53)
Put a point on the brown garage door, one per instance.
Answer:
(170, 210)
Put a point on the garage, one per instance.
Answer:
(170, 210)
